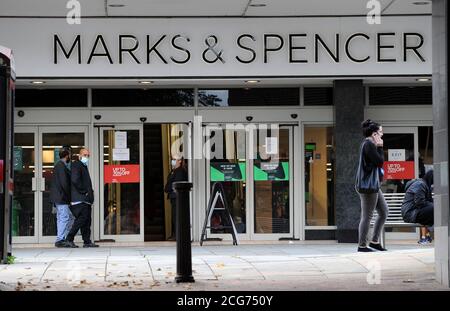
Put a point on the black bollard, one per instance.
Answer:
(183, 232)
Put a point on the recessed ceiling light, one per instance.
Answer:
(116, 5)
(145, 82)
(423, 79)
(37, 82)
(258, 5)
(421, 3)
(252, 81)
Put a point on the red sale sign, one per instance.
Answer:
(399, 170)
(121, 174)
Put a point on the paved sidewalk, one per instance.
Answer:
(275, 266)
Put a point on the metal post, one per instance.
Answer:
(7, 78)
(183, 232)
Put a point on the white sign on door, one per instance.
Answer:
(120, 140)
(121, 154)
(271, 145)
(396, 155)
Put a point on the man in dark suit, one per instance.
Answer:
(60, 196)
(179, 173)
(82, 200)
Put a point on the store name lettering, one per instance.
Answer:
(249, 48)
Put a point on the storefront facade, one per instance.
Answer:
(260, 105)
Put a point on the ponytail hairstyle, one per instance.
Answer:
(369, 127)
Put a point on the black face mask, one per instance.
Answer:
(67, 160)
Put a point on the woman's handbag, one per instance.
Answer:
(367, 177)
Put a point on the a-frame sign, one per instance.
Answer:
(218, 203)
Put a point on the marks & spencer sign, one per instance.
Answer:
(222, 47)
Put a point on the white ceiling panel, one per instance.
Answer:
(159, 8)
(408, 7)
(177, 7)
(331, 7)
(49, 7)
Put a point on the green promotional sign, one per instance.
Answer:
(271, 171)
(226, 171)
(18, 159)
(310, 146)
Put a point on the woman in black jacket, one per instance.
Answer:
(371, 172)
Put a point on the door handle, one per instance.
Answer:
(42, 184)
(33, 184)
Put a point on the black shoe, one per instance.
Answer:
(90, 245)
(365, 249)
(70, 244)
(60, 244)
(377, 246)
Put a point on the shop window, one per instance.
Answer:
(400, 147)
(405, 95)
(319, 176)
(51, 98)
(142, 98)
(249, 97)
(318, 96)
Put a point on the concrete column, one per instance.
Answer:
(349, 113)
(440, 148)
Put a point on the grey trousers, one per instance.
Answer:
(370, 202)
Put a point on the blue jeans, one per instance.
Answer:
(64, 221)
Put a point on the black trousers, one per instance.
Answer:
(173, 204)
(82, 214)
(425, 215)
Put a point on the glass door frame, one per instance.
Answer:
(389, 129)
(251, 189)
(38, 183)
(37, 158)
(100, 190)
(225, 236)
(249, 195)
(41, 180)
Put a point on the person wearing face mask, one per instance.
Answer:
(82, 200)
(178, 173)
(60, 196)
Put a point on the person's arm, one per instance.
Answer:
(373, 153)
(64, 181)
(76, 178)
(167, 188)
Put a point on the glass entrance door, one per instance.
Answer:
(51, 141)
(401, 165)
(272, 183)
(121, 201)
(226, 151)
(36, 151)
(252, 163)
(25, 207)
